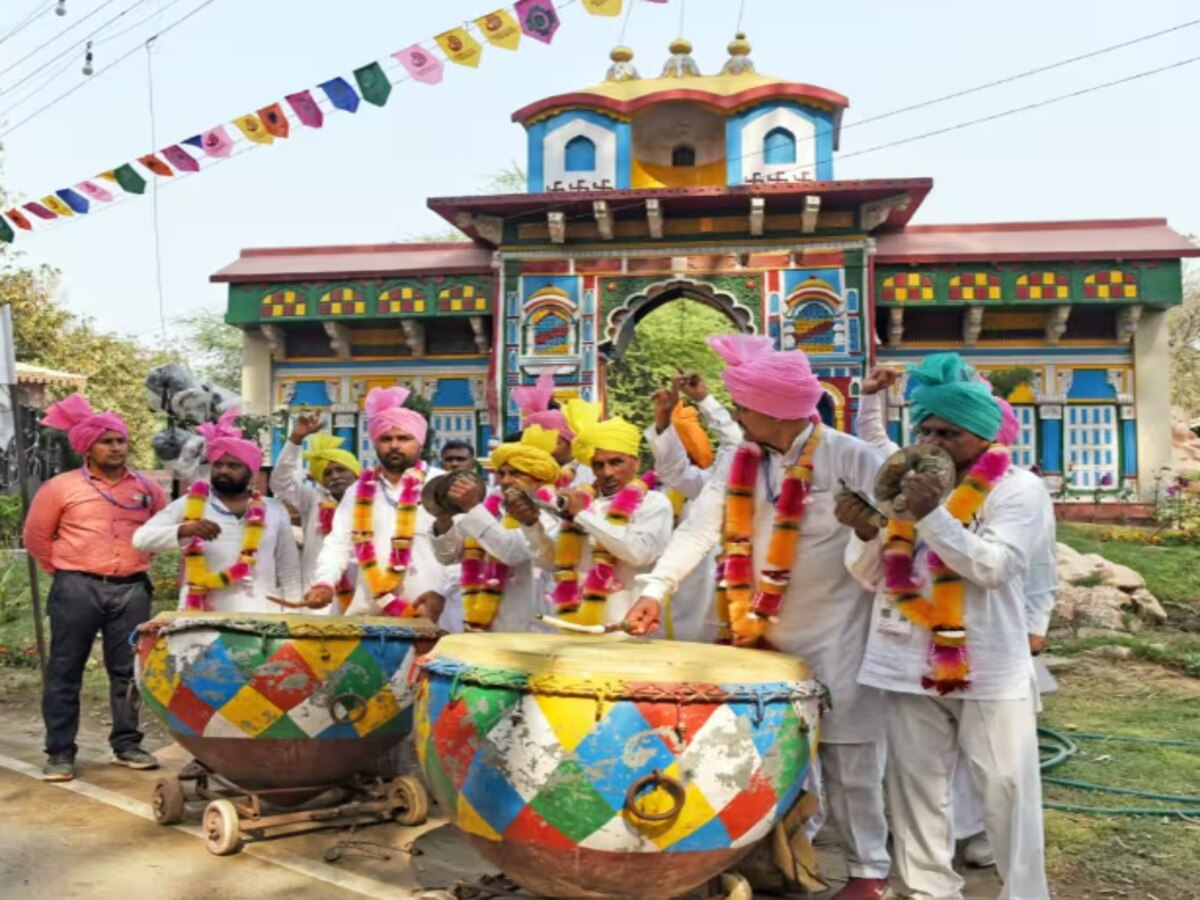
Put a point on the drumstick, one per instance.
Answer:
(579, 629)
(287, 603)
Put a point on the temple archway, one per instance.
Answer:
(621, 323)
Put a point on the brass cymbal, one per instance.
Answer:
(889, 483)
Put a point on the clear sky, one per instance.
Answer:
(1128, 151)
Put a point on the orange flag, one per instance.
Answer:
(460, 47)
(155, 165)
(501, 29)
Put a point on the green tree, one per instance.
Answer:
(509, 180)
(667, 340)
(214, 348)
(1183, 324)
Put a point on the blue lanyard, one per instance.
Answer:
(147, 497)
(772, 497)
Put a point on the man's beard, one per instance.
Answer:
(229, 487)
(396, 463)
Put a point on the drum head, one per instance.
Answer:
(604, 659)
(889, 483)
(318, 625)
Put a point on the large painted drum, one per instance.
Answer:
(280, 701)
(591, 767)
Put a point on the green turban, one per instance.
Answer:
(947, 388)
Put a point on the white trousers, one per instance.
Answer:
(998, 743)
(968, 804)
(853, 779)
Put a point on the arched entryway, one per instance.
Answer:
(621, 324)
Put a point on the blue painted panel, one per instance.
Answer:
(536, 139)
(793, 278)
(779, 147)
(581, 155)
(453, 392)
(567, 283)
(736, 152)
(852, 300)
(1051, 447)
(310, 393)
(589, 302)
(1129, 463)
(474, 363)
(893, 430)
(347, 436)
(277, 439)
(1091, 384)
(773, 302)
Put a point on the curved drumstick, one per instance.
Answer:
(564, 625)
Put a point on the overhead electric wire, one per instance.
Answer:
(46, 43)
(29, 19)
(120, 59)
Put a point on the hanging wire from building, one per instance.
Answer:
(625, 23)
(741, 15)
(158, 282)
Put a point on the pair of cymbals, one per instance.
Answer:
(899, 468)
(435, 496)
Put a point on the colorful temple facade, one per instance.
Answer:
(721, 189)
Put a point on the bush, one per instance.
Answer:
(11, 522)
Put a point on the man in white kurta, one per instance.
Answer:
(679, 446)
(1041, 588)
(825, 613)
(399, 436)
(991, 721)
(526, 550)
(276, 573)
(333, 470)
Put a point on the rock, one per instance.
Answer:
(1111, 651)
(1066, 552)
(1083, 568)
(1148, 606)
(1097, 607)
(1123, 577)
(1059, 663)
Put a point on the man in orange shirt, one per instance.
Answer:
(80, 529)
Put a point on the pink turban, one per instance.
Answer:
(1010, 425)
(386, 412)
(534, 402)
(760, 378)
(83, 425)
(222, 438)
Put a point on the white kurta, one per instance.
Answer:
(424, 574)
(694, 616)
(527, 551)
(290, 484)
(276, 570)
(825, 614)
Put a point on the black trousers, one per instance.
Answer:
(80, 607)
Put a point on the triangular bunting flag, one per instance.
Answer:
(340, 94)
(110, 175)
(275, 120)
(181, 159)
(6, 232)
(603, 7)
(196, 140)
(217, 142)
(95, 192)
(40, 211)
(156, 165)
(252, 128)
(130, 180)
(373, 84)
(19, 220)
(74, 199)
(538, 19)
(57, 207)
(501, 29)
(306, 109)
(422, 65)
(460, 47)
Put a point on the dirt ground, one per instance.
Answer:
(95, 838)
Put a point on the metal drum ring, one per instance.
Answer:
(672, 786)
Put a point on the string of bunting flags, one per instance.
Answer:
(504, 28)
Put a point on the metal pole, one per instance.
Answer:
(22, 479)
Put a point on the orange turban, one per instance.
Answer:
(692, 435)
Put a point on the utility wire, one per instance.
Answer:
(29, 19)
(46, 43)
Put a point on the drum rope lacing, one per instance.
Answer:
(269, 629)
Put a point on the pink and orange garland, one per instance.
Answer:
(942, 613)
(483, 575)
(344, 592)
(199, 580)
(585, 606)
(742, 609)
(386, 584)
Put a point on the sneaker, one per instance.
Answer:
(863, 889)
(134, 758)
(59, 767)
(978, 852)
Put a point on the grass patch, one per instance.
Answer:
(1165, 648)
(1119, 855)
(1172, 573)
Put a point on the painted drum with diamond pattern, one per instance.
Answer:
(600, 768)
(280, 701)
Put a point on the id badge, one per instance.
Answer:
(891, 622)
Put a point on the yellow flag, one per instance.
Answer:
(252, 127)
(603, 7)
(110, 175)
(500, 29)
(55, 205)
(460, 47)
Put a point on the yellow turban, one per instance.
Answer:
(692, 435)
(531, 455)
(324, 449)
(614, 435)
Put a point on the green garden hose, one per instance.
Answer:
(1056, 748)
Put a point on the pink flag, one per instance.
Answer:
(217, 142)
(538, 19)
(40, 211)
(422, 65)
(181, 159)
(306, 109)
(95, 192)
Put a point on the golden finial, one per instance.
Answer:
(681, 64)
(622, 68)
(739, 56)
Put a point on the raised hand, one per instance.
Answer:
(305, 425)
(692, 386)
(879, 379)
(665, 401)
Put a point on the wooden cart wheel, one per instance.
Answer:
(221, 828)
(168, 801)
(410, 799)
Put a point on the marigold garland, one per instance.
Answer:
(942, 614)
(325, 513)
(585, 606)
(743, 610)
(386, 584)
(200, 581)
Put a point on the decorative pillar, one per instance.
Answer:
(1129, 450)
(1050, 443)
(1152, 396)
(256, 374)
